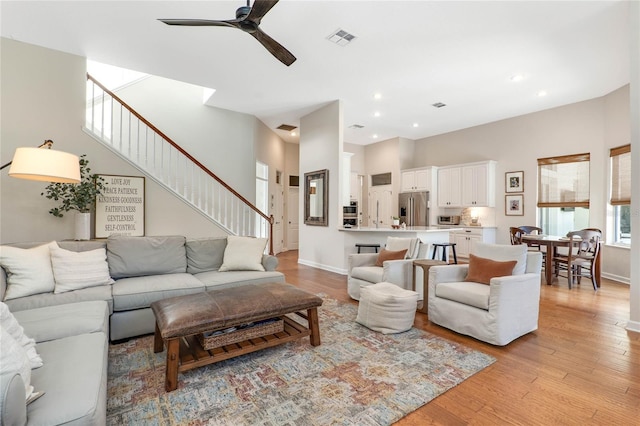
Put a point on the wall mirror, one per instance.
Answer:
(316, 198)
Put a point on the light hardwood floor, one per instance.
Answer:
(580, 367)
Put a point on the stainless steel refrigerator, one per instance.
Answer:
(414, 208)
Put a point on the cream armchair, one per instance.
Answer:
(362, 269)
(497, 313)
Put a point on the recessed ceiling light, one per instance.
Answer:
(293, 133)
(542, 93)
(375, 136)
(415, 124)
(517, 77)
(376, 114)
(377, 96)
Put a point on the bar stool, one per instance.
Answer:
(373, 246)
(445, 248)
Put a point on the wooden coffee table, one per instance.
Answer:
(180, 319)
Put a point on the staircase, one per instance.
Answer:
(120, 128)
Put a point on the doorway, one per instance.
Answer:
(293, 220)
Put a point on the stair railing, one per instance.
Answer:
(122, 129)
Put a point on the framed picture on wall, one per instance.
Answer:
(514, 182)
(514, 205)
(120, 208)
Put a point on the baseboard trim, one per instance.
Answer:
(618, 278)
(323, 267)
(633, 326)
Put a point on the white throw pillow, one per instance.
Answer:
(77, 270)
(243, 254)
(13, 359)
(502, 253)
(397, 244)
(9, 323)
(28, 270)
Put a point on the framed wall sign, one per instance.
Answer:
(514, 205)
(514, 182)
(120, 208)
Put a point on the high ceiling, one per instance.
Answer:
(413, 53)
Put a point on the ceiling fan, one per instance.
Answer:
(248, 20)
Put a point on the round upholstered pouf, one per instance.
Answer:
(387, 308)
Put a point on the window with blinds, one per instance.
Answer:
(563, 181)
(621, 175)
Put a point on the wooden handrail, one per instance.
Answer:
(269, 219)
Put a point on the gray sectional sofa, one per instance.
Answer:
(72, 329)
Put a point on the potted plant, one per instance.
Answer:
(80, 197)
(396, 221)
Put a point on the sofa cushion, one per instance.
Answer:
(390, 255)
(481, 270)
(102, 292)
(77, 270)
(468, 293)
(503, 252)
(140, 292)
(74, 379)
(70, 320)
(215, 279)
(372, 274)
(28, 270)
(243, 254)
(140, 256)
(9, 323)
(205, 254)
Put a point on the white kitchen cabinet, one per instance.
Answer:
(354, 192)
(416, 179)
(380, 206)
(449, 180)
(478, 185)
(467, 238)
(346, 178)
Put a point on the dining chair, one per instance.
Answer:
(527, 230)
(516, 235)
(580, 260)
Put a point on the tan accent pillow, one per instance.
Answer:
(481, 270)
(390, 255)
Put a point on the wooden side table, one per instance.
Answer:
(425, 264)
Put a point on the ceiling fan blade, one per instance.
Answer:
(259, 9)
(202, 22)
(276, 49)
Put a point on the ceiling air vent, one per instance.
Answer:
(341, 37)
(287, 127)
(439, 105)
(356, 126)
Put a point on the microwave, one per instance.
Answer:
(448, 220)
(351, 210)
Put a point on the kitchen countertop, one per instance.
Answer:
(461, 226)
(399, 230)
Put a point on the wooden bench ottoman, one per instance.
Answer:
(179, 320)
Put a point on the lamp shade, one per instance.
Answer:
(46, 165)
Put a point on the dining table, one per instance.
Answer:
(552, 242)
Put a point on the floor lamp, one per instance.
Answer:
(44, 164)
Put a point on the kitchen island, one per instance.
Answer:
(373, 235)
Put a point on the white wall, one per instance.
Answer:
(321, 147)
(222, 140)
(634, 43)
(517, 143)
(43, 97)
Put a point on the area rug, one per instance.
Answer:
(355, 377)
